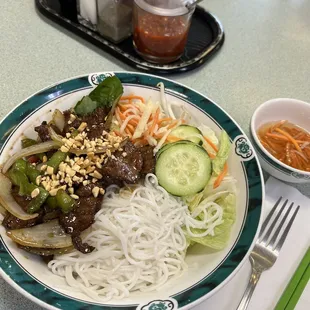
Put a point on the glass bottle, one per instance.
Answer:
(161, 29)
(115, 19)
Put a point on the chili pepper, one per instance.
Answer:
(56, 159)
(38, 201)
(74, 133)
(20, 179)
(20, 165)
(64, 201)
(52, 202)
(25, 167)
(30, 142)
(32, 173)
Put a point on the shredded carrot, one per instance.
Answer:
(131, 128)
(277, 125)
(173, 139)
(131, 97)
(282, 138)
(276, 136)
(127, 131)
(211, 143)
(121, 115)
(173, 124)
(155, 121)
(221, 176)
(212, 156)
(166, 119)
(290, 138)
(117, 133)
(140, 141)
(273, 146)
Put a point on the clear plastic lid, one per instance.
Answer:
(164, 7)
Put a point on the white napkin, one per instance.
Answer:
(273, 281)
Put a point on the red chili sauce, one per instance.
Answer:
(161, 36)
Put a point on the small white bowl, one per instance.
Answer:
(296, 112)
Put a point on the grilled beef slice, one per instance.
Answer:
(95, 122)
(148, 159)
(124, 166)
(81, 217)
(42, 131)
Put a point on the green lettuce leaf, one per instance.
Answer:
(85, 106)
(222, 155)
(107, 91)
(222, 231)
(106, 94)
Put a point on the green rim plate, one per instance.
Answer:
(27, 285)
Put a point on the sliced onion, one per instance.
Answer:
(8, 201)
(84, 152)
(54, 136)
(48, 235)
(98, 151)
(59, 119)
(31, 150)
(46, 252)
(2, 210)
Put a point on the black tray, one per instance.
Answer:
(206, 36)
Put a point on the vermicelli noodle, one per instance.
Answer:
(139, 240)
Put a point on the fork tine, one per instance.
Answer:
(269, 216)
(275, 235)
(264, 238)
(287, 229)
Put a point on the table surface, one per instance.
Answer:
(265, 55)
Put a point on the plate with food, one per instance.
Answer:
(124, 191)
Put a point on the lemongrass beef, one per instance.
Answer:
(119, 181)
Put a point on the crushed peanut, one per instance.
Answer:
(35, 193)
(53, 192)
(49, 170)
(97, 175)
(72, 117)
(38, 179)
(82, 127)
(64, 149)
(95, 191)
(80, 170)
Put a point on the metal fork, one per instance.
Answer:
(268, 246)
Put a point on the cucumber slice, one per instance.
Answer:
(187, 132)
(166, 146)
(183, 169)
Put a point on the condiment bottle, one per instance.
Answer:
(161, 29)
(115, 19)
(87, 13)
